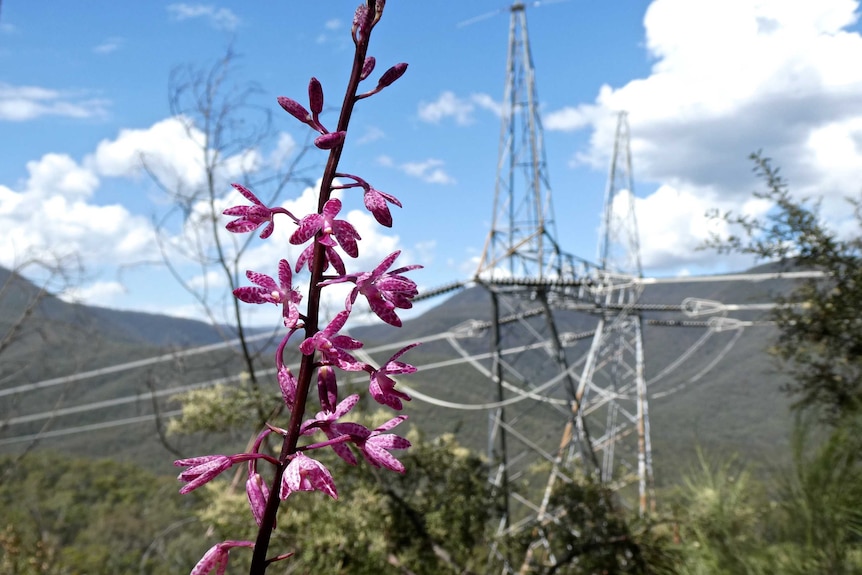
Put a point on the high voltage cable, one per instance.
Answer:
(86, 428)
(449, 336)
(212, 347)
(125, 366)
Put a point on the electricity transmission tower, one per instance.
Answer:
(591, 404)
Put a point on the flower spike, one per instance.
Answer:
(322, 236)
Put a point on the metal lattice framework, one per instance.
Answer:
(595, 416)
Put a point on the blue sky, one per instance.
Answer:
(84, 97)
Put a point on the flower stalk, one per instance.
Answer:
(325, 351)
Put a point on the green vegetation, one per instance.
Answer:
(64, 515)
(820, 327)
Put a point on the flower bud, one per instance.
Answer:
(361, 22)
(329, 141)
(315, 96)
(367, 67)
(295, 109)
(392, 74)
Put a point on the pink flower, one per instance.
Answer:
(384, 291)
(217, 556)
(327, 422)
(375, 201)
(204, 469)
(333, 346)
(306, 474)
(375, 445)
(315, 97)
(201, 470)
(270, 292)
(251, 217)
(328, 226)
(382, 387)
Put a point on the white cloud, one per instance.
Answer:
(430, 170)
(22, 103)
(730, 78)
(99, 293)
(172, 150)
(109, 45)
(568, 119)
(220, 18)
(52, 215)
(58, 174)
(448, 105)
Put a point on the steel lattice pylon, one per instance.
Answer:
(591, 403)
(612, 385)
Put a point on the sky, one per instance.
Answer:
(84, 107)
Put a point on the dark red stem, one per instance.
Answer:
(259, 561)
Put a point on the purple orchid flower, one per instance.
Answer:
(217, 556)
(375, 201)
(252, 217)
(327, 422)
(333, 346)
(306, 474)
(385, 291)
(382, 387)
(325, 223)
(375, 445)
(267, 291)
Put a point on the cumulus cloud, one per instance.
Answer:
(448, 105)
(430, 171)
(22, 103)
(52, 214)
(730, 78)
(172, 151)
(219, 18)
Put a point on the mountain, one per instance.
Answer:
(736, 406)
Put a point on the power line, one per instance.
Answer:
(86, 428)
(125, 366)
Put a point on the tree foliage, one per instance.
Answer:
(430, 520)
(820, 325)
(64, 516)
(595, 534)
(795, 521)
